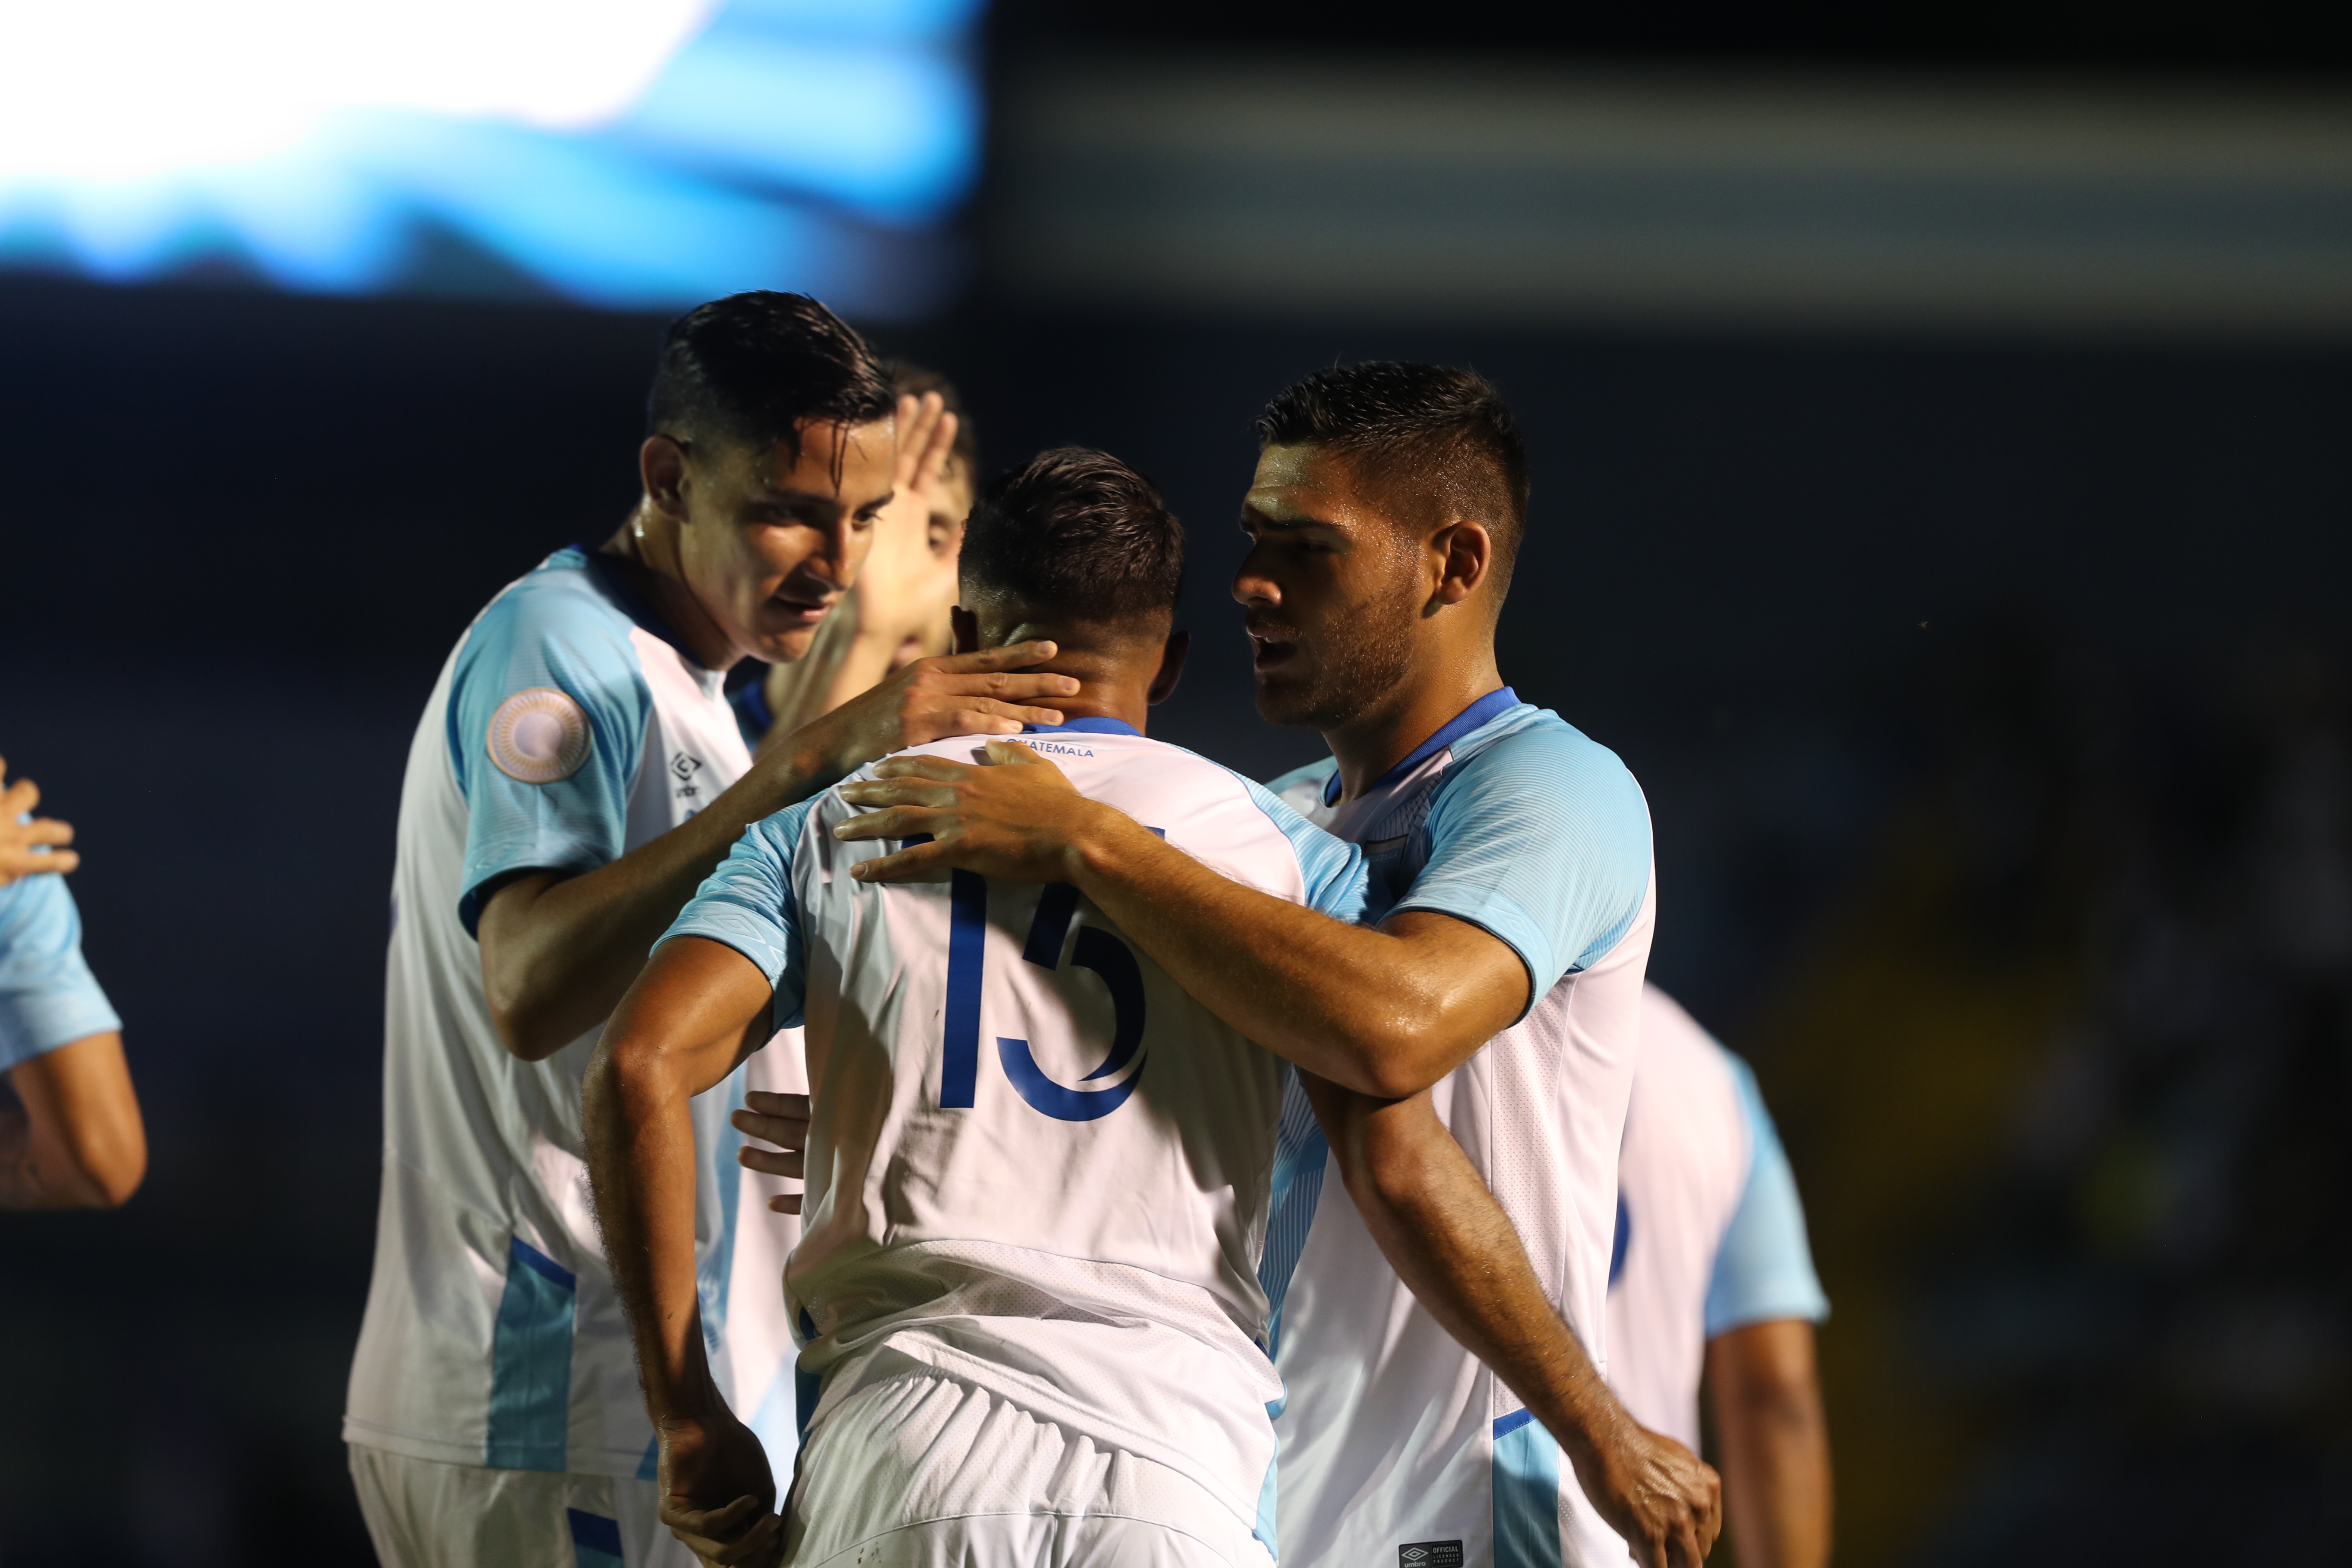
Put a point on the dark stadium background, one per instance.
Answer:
(1989, 690)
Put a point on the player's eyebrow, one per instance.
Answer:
(776, 495)
(1268, 522)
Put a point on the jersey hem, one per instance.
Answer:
(1816, 1312)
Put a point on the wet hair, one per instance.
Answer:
(1078, 533)
(1428, 434)
(914, 380)
(750, 368)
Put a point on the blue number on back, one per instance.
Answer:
(1095, 949)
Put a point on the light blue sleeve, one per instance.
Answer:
(47, 996)
(1763, 1268)
(1543, 839)
(748, 904)
(551, 630)
(1338, 879)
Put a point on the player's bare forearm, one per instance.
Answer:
(558, 950)
(70, 1131)
(1451, 1243)
(699, 1007)
(1775, 1441)
(1386, 1011)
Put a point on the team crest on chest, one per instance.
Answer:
(538, 736)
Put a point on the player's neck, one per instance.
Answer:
(1429, 697)
(1123, 700)
(649, 543)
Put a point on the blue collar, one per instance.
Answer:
(1084, 727)
(1485, 711)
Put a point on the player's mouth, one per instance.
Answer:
(799, 612)
(1270, 652)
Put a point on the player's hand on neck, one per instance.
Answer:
(1122, 668)
(1367, 624)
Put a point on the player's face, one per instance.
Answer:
(773, 539)
(1330, 588)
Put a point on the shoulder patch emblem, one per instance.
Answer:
(538, 736)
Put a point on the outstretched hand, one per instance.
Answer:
(1018, 820)
(30, 844)
(1663, 1499)
(781, 1120)
(717, 1493)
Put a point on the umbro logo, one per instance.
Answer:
(684, 766)
(1430, 1554)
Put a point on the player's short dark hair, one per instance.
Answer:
(908, 379)
(750, 368)
(1443, 432)
(1077, 531)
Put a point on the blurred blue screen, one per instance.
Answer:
(626, 153)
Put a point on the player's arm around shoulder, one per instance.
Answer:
(1387, 1011)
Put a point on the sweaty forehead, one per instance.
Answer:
(1299, 483)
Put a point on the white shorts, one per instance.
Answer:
(927, 1471)
(422, 1513)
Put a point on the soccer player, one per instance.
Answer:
(576, 773)
(1711, 1272)
(1038, 1173)
(71, 1136)
(1497, 997)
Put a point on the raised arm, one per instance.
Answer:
(697, 1009)
(558, 950)
(1384, 1011)
(74, 1137)
(1448, 1239)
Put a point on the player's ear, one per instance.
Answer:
(1468, 553)
(964, 627)
(1171, 666)
(661, 465)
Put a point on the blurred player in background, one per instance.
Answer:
(576, 773)
(1711, 1272)
(896, 611)
(70, 1133)
(1493, 1011)
(1029, 1285)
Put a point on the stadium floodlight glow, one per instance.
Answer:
(351, 145)
(123, 88)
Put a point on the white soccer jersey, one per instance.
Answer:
(1710, 1236)
(565, 730)
(1052, 1185)
(1397, 1446)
